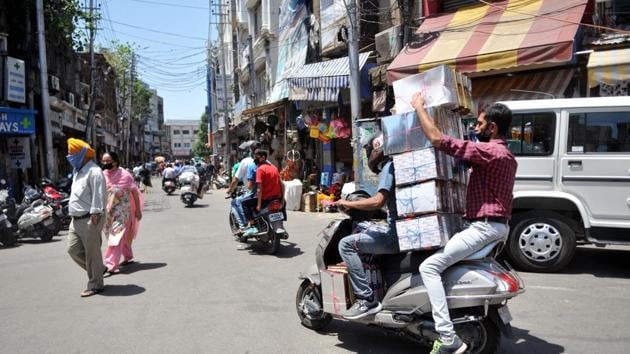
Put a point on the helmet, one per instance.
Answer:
(45, 182)
(356, 214)
(374, 151)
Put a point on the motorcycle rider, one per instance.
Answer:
(246, 173)
(169, 174)
(268, 188)
(488, 205)
(374, 238)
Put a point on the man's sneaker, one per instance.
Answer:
(362, 308)
(455, 345)
(250, 231)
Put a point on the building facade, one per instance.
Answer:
(182, 135)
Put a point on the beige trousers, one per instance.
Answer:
(84, 246)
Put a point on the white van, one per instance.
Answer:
(573, 178)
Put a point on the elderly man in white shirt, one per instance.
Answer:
(87, 209)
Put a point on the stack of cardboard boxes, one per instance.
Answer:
(430, 185)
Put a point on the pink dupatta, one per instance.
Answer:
(120, 179)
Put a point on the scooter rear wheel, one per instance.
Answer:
(482, 337)
(310, 306)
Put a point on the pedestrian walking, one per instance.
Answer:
(86, 207)
(124, 212)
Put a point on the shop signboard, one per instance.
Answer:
(334, 16)
(20, 152)
(15, 79)
(17, 121)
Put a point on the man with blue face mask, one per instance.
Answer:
(87, 208)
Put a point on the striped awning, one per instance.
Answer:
(322, 81)
(608, 67)
(500, 35)
(522, 86)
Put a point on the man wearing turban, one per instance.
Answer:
(86, 207)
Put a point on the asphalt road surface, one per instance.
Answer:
(192, 291)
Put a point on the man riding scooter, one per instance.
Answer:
(376, 238)
(246, 173)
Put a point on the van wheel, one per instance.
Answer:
(541, 242)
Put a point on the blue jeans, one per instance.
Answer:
(375, 238)
(473, 238)
(237, 209)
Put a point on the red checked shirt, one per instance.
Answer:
(491, 181)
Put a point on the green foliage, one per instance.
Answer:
(141, 105)
(201, 145)
(67, 24)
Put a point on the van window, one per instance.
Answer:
(532, 134)
(599, 132)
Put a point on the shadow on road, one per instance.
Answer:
(198, 206)
(137, 266)
(34, 241)
(289, 250)
(600, 262)
(524, 343)
(122, 290)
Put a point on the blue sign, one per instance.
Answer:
(17, 121)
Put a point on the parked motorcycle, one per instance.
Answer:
(7, 237)
(221, 180)
(33, 217)
(477, 290)
(270, 224)
(58, 201)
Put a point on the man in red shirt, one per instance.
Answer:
(488, 205)
(268, 188)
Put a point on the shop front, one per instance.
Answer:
(17, 133)
(609, 72)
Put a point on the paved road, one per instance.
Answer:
(193, 292)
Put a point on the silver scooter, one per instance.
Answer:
(477, 290)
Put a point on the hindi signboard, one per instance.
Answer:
(20, 152)
(15, 79)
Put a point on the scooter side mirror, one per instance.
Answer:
(3, 182)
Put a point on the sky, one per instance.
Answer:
(173, 62)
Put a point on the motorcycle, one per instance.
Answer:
(189, 181)
(7, 237)
(477, 291)
(270, 224)
(169, 186)
(59, 202)
(221, 180)
(34, 217)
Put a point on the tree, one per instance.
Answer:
(201, 145)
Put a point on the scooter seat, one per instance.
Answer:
(484, 252)
(408, 262)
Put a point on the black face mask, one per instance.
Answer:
(484, 135)
(108, 166)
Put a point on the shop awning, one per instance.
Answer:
(500, 35)
(522, 86)
(264, 108)
(322, 81)
(608, 67)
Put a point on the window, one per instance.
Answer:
(177, 145)
(186, 132)
(599, 132)
(195, 132)
(175, 132)
(186, 145)
(532, 134)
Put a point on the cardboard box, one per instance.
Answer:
(426, 232)
(427, 197)
(422, 165)
(335, 290)
(402, 133)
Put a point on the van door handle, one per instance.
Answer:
(575, 163)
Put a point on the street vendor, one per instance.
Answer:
(488, 204)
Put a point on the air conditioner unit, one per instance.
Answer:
(388, 44)
(54, 83)
(71, 98)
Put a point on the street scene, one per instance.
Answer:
(193, 291)
(330, 176)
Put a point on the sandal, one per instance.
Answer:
(131, 261)
(90, 292)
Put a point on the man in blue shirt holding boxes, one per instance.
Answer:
(376, 238)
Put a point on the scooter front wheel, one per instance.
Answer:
(310, 306)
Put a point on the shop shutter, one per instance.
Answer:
(452, 5)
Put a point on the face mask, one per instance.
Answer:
(108, 166)
(76, 160)
(484, 135)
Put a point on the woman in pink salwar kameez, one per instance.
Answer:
(124, 211)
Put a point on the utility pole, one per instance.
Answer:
(43, 72)
(209, 73)
(355, 89)
(89, 126)
(252, 70)
(130, 93)
(226, 128)
(236, 91)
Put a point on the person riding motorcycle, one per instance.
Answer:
(169, 174)
(373, 237)
(246, 173)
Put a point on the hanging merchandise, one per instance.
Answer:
(299, 122)
(324, 139)
(314, 132)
